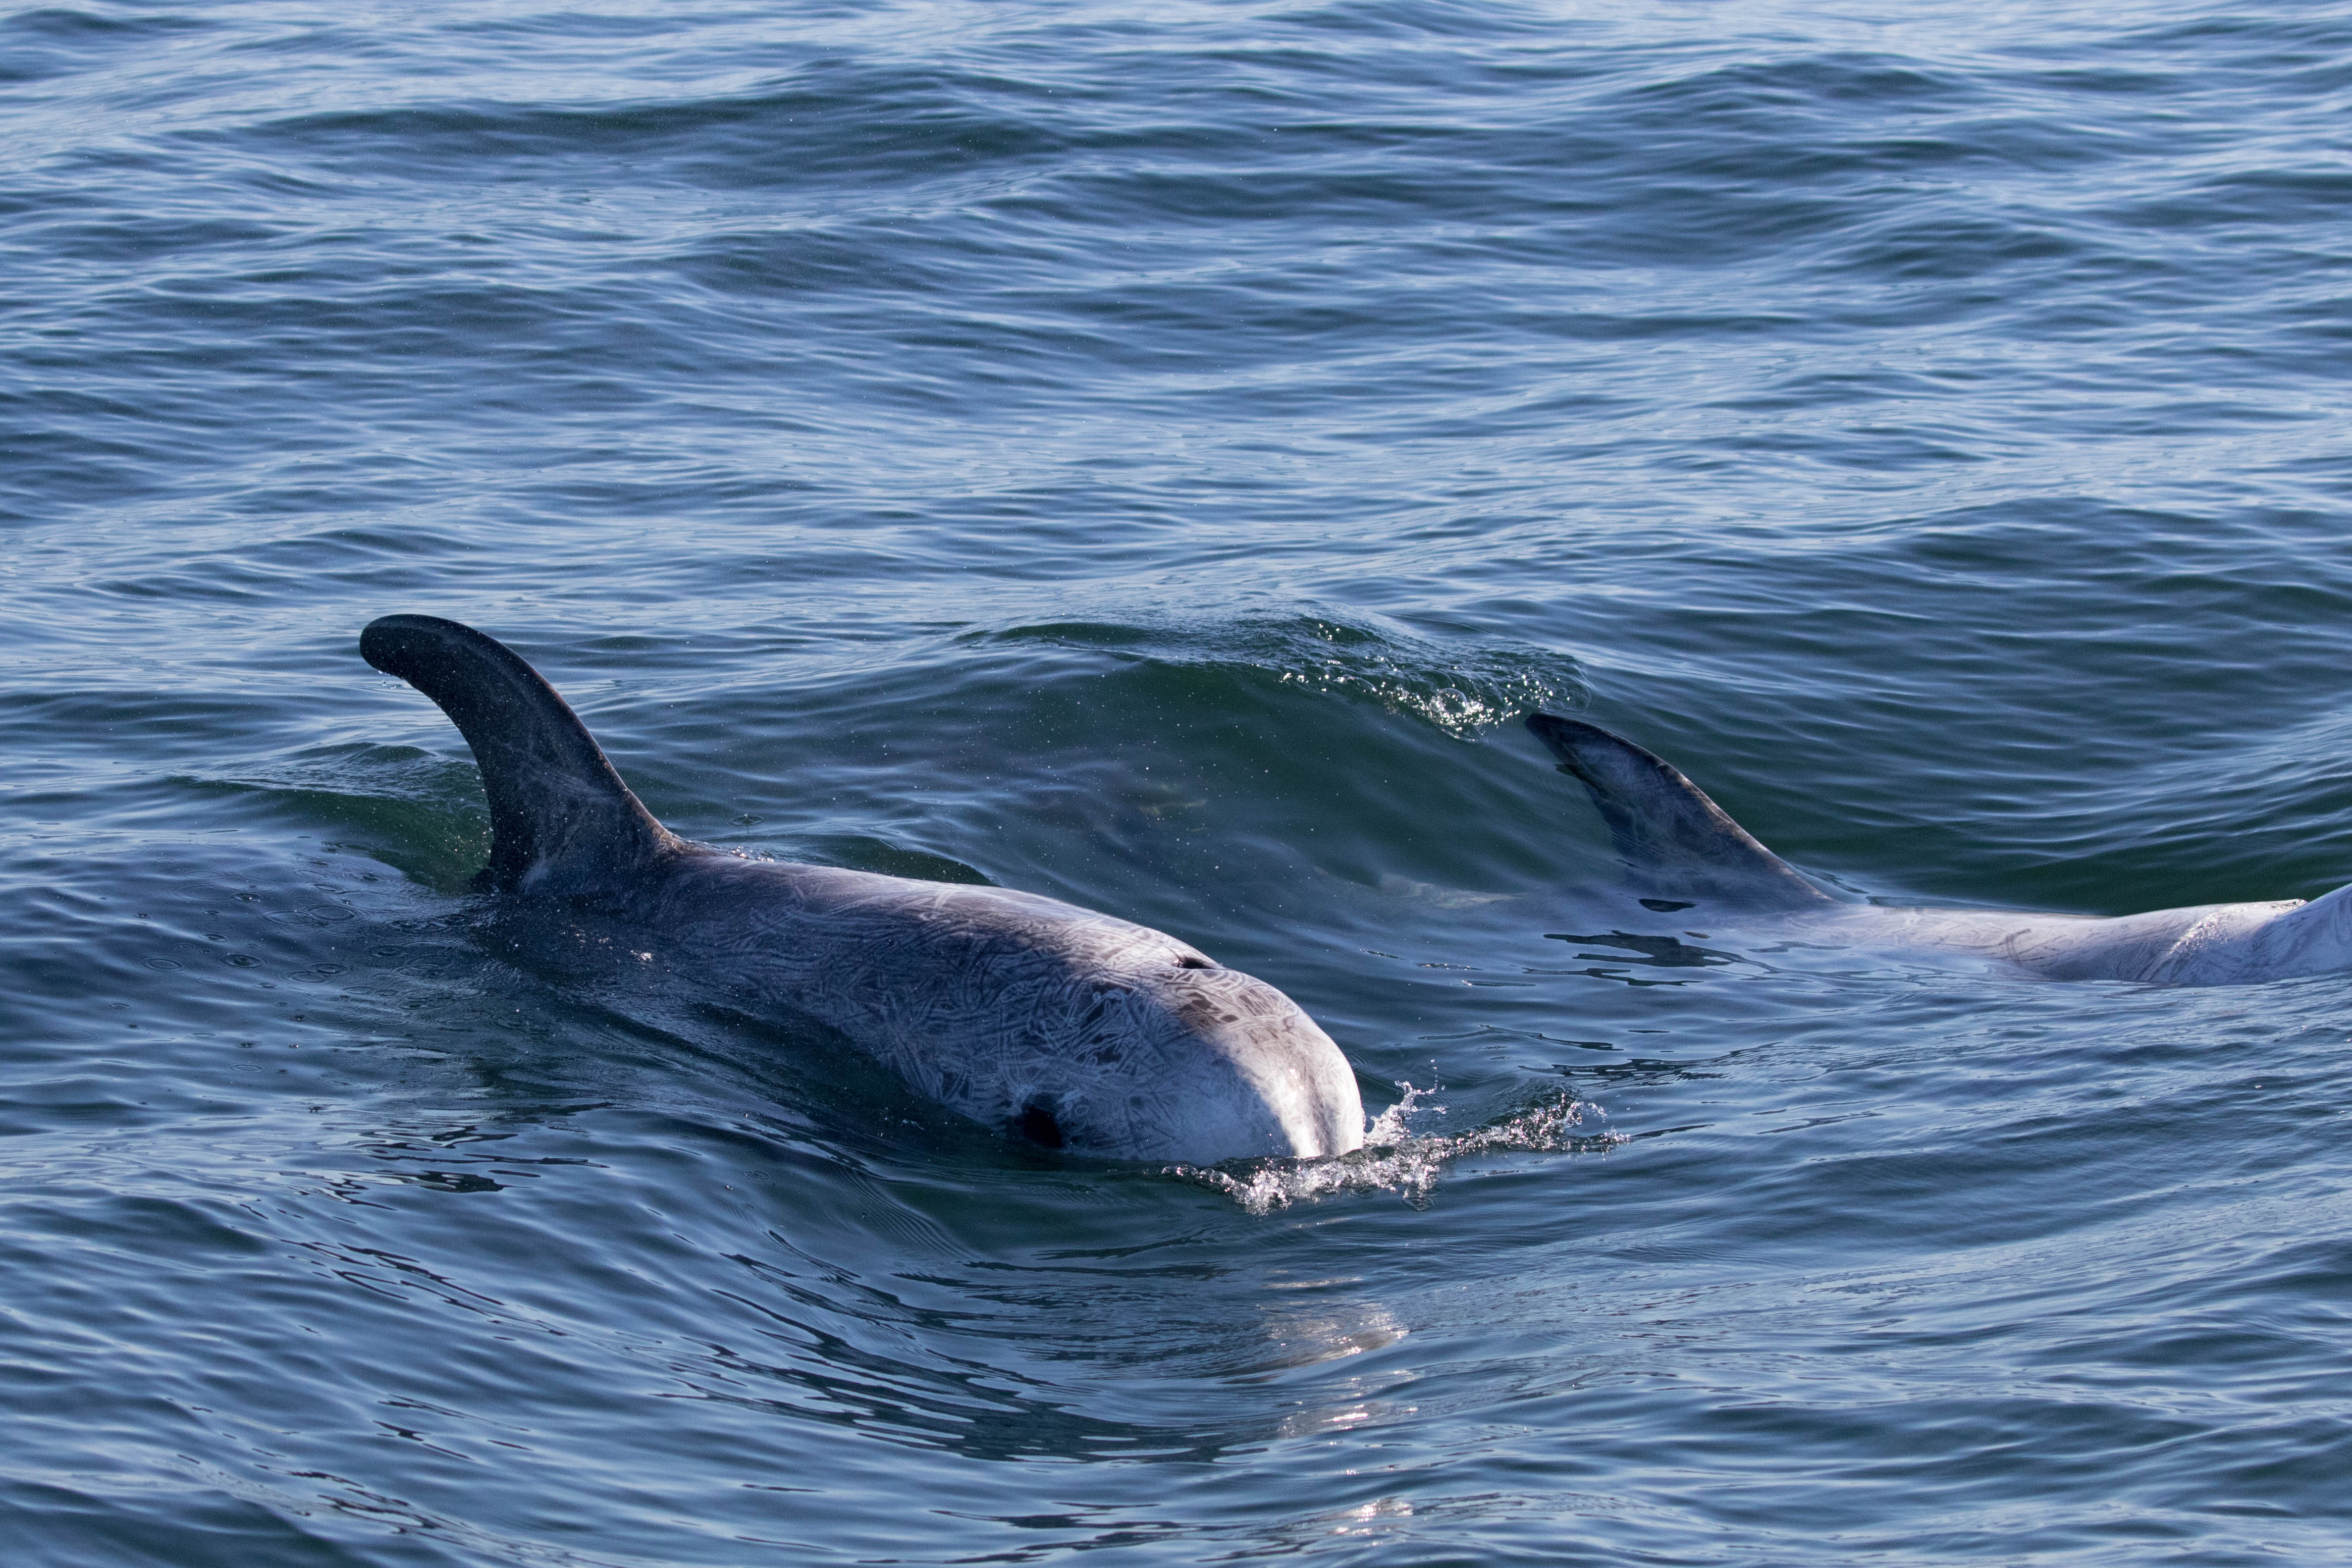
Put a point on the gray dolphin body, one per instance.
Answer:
(1074, 1028)
(1682, 844)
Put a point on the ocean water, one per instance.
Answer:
(1152, 455)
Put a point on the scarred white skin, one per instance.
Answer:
(1003, 1004)
(2202, 944)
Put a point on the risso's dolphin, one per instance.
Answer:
(1680, 845)
(1073, 1029)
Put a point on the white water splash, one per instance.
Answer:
(1396, 1158)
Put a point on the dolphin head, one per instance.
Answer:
(1177, 1058)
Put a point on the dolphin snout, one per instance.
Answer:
(1288, 1083)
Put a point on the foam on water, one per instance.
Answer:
(1397, 1159)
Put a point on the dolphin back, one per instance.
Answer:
(561, 819)
(1671, 835)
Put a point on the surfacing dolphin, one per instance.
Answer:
(1682, 844)
(1073, 1029)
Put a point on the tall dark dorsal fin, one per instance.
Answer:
(561, 819)
(1670, 833)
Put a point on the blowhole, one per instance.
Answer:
(1193, 961)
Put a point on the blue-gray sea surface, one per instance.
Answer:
(1152, 455)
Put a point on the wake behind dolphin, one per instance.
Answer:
(1677, 843)
(1074, 1028)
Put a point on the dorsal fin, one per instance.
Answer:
(1668, 831)
(561, 819)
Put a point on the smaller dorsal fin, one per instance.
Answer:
(561, 819)
(1672, 836)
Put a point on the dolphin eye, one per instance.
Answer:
(1037, 1123)
(1193, 961)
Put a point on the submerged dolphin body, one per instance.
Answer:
(1074, 1028)
(1682, 844)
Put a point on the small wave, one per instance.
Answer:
(1396, 1158)
(1460, 690)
